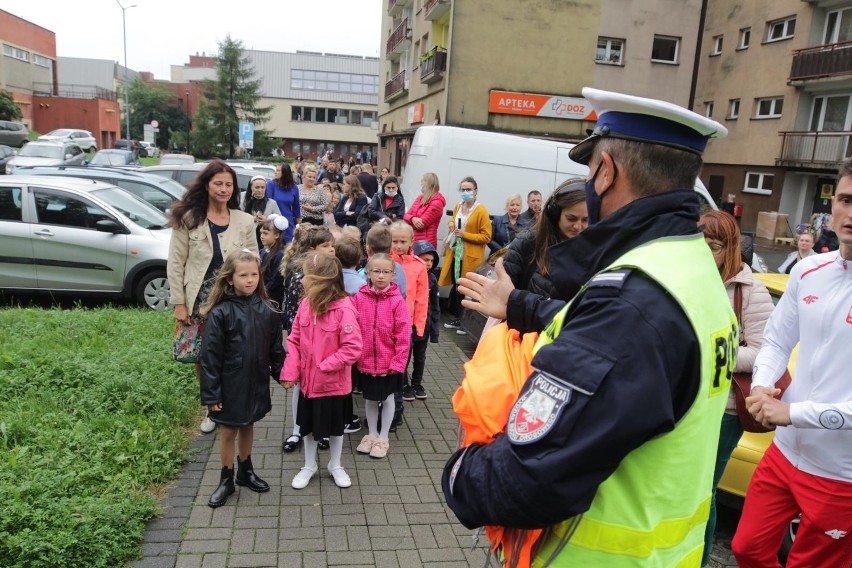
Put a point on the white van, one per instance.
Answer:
(501, 164)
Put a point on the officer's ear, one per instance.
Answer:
(608, 172)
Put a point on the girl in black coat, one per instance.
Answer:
(387, 205)
(243, 349)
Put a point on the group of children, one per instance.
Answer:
(350, 326)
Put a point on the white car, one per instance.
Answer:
(47, 153)
(151, 151)
(82, 138)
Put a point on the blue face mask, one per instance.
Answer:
(467, 196)
(593, 200)
(390, 193)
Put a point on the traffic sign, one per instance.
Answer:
(155, 123)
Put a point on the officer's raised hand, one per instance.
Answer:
(484, 295)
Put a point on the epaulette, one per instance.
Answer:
(612, 279)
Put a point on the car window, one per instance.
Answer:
(157, 197)
(185, 177)
(10, 204)
(137, 210)
(41, 151)
(3, 125)
(60, 208)
(173, 188)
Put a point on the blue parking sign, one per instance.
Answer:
(247, 135)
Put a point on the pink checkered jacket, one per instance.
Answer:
(385, 328)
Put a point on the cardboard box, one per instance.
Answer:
(771, 224)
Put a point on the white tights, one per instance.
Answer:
(335, 451)
(372, 408)
(294, 399)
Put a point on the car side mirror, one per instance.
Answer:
(110, 226)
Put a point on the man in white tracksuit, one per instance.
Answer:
(808, 467)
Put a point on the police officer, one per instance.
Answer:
(612, 441)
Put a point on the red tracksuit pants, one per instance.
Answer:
(777, 493)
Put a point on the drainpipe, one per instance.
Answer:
(696, 63)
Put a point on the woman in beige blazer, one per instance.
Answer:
(207, 225)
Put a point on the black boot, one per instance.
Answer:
(246, 477)
(226, 487)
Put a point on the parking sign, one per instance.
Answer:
(247, 135)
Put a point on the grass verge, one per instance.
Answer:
(93, 417)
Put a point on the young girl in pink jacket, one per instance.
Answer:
(384, 320)
(324, 343)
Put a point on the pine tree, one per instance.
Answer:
(9, 110)
(235, 94)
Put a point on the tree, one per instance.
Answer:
(9, 110)
(204, 137)
(151, 101)
(234, 95)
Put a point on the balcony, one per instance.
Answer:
(433, 64)
(436, 8)
(814, 149)
(399, 40)
(396, 87)
(822, 61)
(73, 91)
(395, 6)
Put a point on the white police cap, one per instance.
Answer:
(645, 120)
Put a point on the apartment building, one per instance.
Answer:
(778, 74)
(320, 102)
(519, 67)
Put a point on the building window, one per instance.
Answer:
(15, 53)
(733, 109)
(768, 108)
(780, 29)
(708, 109)
(665, 49)
(41, 60)
(610, 50)
(332, 115)
(717, 45)
(745, 38)
(758, 183)
(838, 26)
(331, 81)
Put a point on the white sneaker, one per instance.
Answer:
(207, 425)
(341, 479)
(461, 332)
(301, 480)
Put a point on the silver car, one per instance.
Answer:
(14, 134)
(82, 138)
(46, 153)
(82, 237)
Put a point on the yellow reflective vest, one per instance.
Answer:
(651, 512)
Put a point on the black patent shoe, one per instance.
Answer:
(246, 477)
(226, 488)
(324, 444)
(291, 444)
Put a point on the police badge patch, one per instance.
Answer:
(536, 411)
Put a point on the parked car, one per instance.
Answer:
(158, 191)
(47, 153)
(266, 170)
(80, 237)
(14, 134)
(186, 173)
(114, 158)
(124, 144)
(82, 138)
(172, 159)
(148, 150)
(6, 154)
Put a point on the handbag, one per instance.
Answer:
(741, 382)
(187, 340)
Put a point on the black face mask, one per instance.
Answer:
(593, 200)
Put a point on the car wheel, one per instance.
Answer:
(152, 291)
(92, 150)
(789, 538)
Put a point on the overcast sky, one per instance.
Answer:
(161, 33)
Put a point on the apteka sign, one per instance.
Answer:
(531, 104)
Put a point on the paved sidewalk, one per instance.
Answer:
(393, 515)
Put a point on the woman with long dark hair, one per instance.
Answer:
(207, 225)
(563, 217)
(352, 202)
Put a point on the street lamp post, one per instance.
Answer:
(126, 83)
(188, 121)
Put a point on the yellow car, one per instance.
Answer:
(750, 450)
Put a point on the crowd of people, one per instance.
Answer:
(629, 401)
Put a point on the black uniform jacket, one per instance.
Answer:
(240, 350)
(627, 357)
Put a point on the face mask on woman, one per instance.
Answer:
(467, 196)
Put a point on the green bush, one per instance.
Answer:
(94, 414)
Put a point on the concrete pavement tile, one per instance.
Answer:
(409, 494)
(351, 558)
(395, 514)
(154, 562)
(409, 558)
(386, 559)
(428, 494)
(335, 538)
(290, 560)
(201, 546)
(208, 534)
(441, 554)
(175, 513)
(215, 560)
(311, 516)
(200, 516)
(189, 561)
(223, 516)
(380, 498)
(343, 520)
(357, 538)
(159, 548)
(242, 541)
(315, 544)
(444, 536)
(314, 560)
(252, 560)
(427, 518)
(258, 522)
(403, 531)
(376, 515)
(165, 535)
(258, 511)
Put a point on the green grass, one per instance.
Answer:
(94, 418)
(149, 161)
